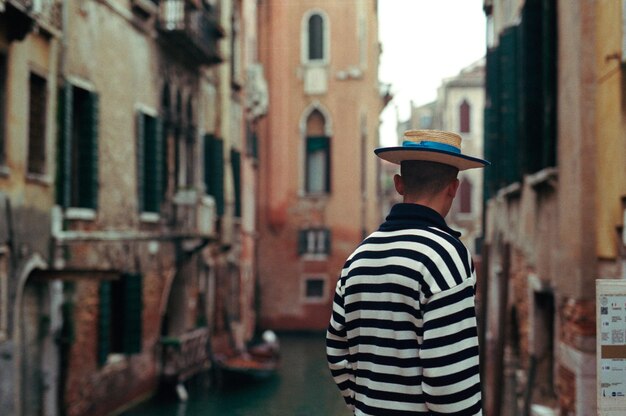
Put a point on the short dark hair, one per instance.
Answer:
(422, 178)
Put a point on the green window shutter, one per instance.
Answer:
(510, 104)
(214, 170)
(141, 144)
(157, 167)
(104, 322)
(133, 307)
(492, 122)
(88, 154)
(302, 241)
(235, 160)
(64, 167)
(327, 241)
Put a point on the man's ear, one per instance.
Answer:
(452, 188)
(399, 184)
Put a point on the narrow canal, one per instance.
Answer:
(301, 387)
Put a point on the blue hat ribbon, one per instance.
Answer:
(432, 145)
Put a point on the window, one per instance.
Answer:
(120, 313)
(315, 45)
(37, 125)
(316, 37)
(4, 294)
(3, 99)
(314, 241)
(314, 288)
(465, 196)
(235, 160)
(214, 170)
(317, 165)
(464, 117)
(78, 173)
(317, 159)
(149, 163)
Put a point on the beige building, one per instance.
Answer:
(318, 193)
(30, 42)
(127, 183)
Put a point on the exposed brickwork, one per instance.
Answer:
(578, 321)
(567, 391)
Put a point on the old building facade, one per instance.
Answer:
(554, 128)
(127, 253)
(318, 175)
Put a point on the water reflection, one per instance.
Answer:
(302, 387)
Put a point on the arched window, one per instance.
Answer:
(316, 37)
(464, 117)
(465, 196)
(317, 160)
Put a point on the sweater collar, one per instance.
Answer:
(404, 215)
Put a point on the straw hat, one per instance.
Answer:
(431, 146)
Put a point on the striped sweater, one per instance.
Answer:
(402, 337)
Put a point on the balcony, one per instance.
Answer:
(195, 213)
(23, 16)
(186, 355)
(193, 31)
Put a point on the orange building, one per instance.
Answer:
(318, 192)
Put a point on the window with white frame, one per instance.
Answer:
(314, 241)
(317, 155)
(149, 162)
(316, 38)
(37, 125)
(314, 288)
(464, 117)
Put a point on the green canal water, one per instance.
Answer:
(301, 387)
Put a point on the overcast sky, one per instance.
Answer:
(425, 41)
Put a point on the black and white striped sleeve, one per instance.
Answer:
(449, 352)
(337, 352)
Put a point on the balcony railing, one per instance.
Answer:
(25, 14)
(195, 31)
(186, 355)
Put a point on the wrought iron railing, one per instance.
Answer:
(45, 12)
(197, 30)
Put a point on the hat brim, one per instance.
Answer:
(399, 154)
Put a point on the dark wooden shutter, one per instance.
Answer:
(214, 170)
(510, 104)
(302, 241)
(95, 125)
(327, 241)
(133, 307)
(104, 322)
(158, 167)
(141, 162)
(235, 160)
(64, 169)
(492, 122)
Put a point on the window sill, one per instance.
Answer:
(149, 217)
(314, 300)
(86, 214)
(314, 257)
(42, 179)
